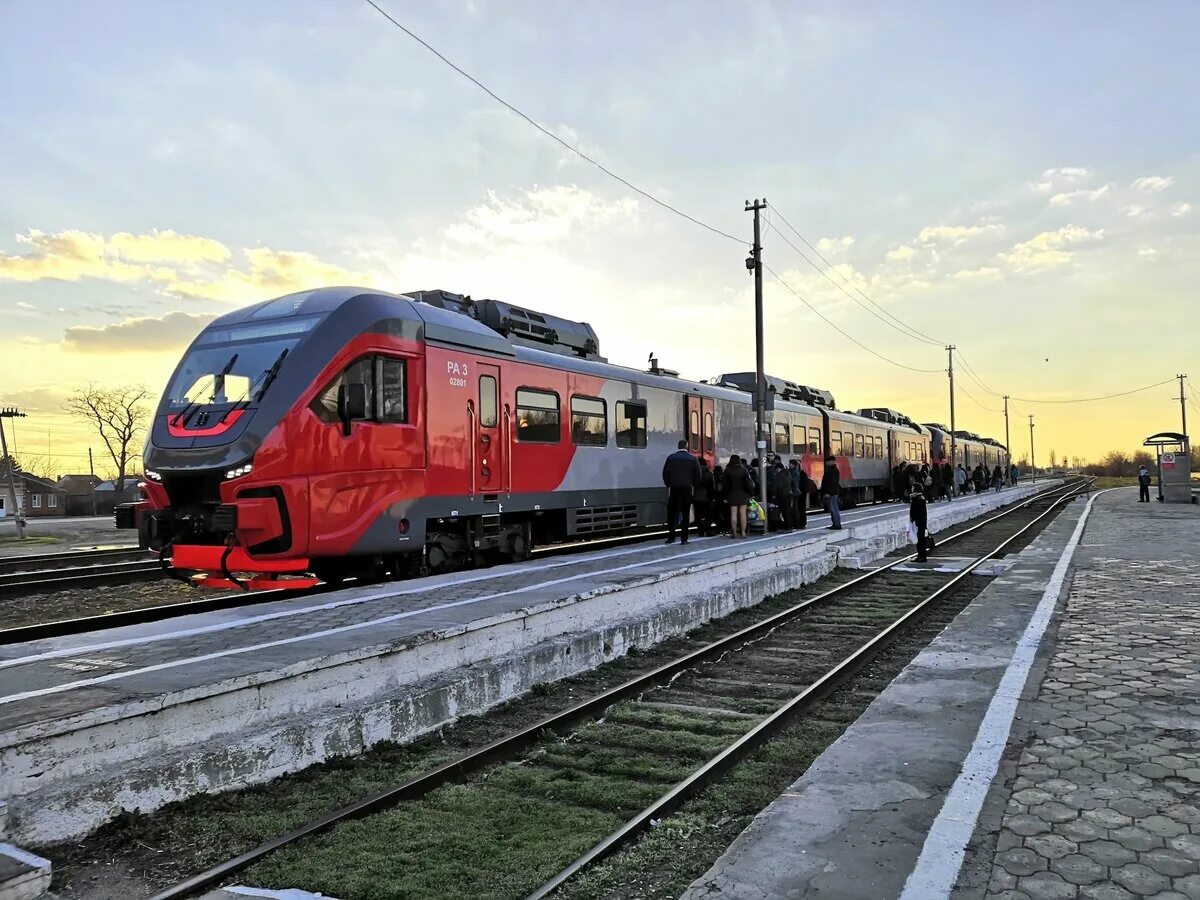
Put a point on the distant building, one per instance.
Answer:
(40, 497)
(80, 491)
(109, 495)
(5, 512)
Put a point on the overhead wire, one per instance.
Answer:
(548, 133)
(960, 389)
(834, 326)
(975, 375)
(1093, 399)
(895, 322)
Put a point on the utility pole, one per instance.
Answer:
(1182, 405)
(1032, 458)
(953, 444)
(760, 394)
(1007, 443)
(11, 412)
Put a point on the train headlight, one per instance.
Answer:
(153, 476)
(239, 471)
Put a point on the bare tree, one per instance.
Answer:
(41, 466)
(119, 416)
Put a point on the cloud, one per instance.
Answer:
(980, 274)
(835, 245)
(1137, 211)
(181, 265)
(539, 216)
(1153, 183)
(902, 252)
(1066, 199)
(21, 304)
(1054, 178)
(153, 334)
(1049, 248)
(955, 234)
(1181, 209)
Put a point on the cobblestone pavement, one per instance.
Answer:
(1104, 782)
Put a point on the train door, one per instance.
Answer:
(489, 455)
(699, 419)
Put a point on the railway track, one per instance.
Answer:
(660, 739)
(86, 568)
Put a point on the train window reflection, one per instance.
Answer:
(393, 401)
(487, 401)
(782, 443)
(537, 417)
(589, 422)
(631, 424)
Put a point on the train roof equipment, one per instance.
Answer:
(519, 325)
(891, 416)
(780, 387)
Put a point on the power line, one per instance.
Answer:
(1092, 399)
(550, 134)
(900, 325)
(848, 337)
(824, 274)
(975, 375)
(971, 397)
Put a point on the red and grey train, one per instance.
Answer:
(348, 431)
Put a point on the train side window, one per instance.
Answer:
(361, 371)
(782, 443)
(487, 401)
(709, 445)
(798, 442)
(631, 424)
(391, 375)
(879, 448)
(537, 417)
(589, 421)
(814, 441)
(835, 443)
(859, 450)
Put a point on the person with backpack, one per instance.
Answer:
(739, 488)
(1143, 485)
(831, 488)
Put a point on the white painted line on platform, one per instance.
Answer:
(942, 855)
(341, 629)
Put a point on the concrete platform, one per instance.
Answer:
(889, 809)
(23, 876)
(141, 716)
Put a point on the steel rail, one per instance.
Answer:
(41, 561)
(18, 583)
(774, 723)
(506, 747)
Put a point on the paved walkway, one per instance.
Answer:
(1100, 794)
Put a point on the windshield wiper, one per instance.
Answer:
(186, 413)
(266, 377)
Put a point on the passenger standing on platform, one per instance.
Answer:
(781, 484)
(739, 488)
(831, 487)
(681, 474)
(718, 510)
(979, 478)
(947, 480)
(926, 479)
(1143, 485)
(799, 493)
(997, 478)
(898, 481)
(918, 514)
(960, 479)
(939, 487)
(1014, 473)
(702, 500)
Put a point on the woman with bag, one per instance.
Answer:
(739, 489)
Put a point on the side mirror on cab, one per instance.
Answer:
(352, 404)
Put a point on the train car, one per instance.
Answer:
(909, 442)
(970, 449)
(346, 431)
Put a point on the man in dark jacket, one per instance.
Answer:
(918, 514)
(783, 493)
(681, 474)
(800, 492)
(1144, 480)
(936, 474)
(831, 487)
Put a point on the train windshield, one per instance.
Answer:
(232, 365)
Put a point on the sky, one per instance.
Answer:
(1022, 181)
